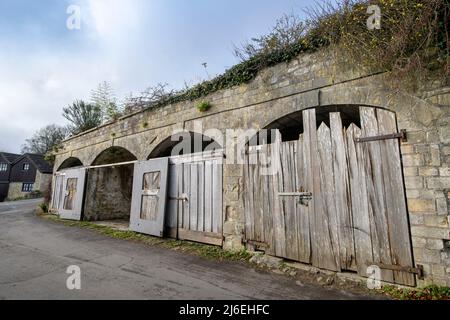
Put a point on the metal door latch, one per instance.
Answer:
(304, 197)
(184, 198)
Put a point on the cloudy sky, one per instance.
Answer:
(133, 44)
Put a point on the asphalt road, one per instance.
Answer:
(35, 254)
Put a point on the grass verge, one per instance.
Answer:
(198, 249)
(431, 292)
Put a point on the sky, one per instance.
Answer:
(133, 44)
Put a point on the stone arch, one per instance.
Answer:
(290, 124)
(186, 142)
(113, 155)
(71, 162)
(109, 188)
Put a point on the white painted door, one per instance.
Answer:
(71, 203)
(148, 202)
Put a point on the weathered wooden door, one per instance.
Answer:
(57, 192)
(195, 197)
(337, 200)
(71, 200)
(148, 203)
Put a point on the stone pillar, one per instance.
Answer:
(234, 218)
(426, 160)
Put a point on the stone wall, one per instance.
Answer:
(42, 182)
(15, 191)
(108, 193)
(310, 81)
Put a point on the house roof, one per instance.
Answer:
(10, 157)
(39, 161)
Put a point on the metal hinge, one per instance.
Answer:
(418, 270)
(401, 135)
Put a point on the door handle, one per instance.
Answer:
(184, 198)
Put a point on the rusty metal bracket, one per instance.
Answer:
(401, 135)
(304, 197)
(257, 244)
(184, 197)
(418, 270)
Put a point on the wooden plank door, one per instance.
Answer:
(148, 203)
(319, 180)
(386, 201)
(357, 216)
(57, 192)
(71, 201)
(195, 198)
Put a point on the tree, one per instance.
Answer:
(152, 96)
(103, 97)
(82, 116)
(45, 139)
(288, 30)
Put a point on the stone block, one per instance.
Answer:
(229, 228)
(407, 149)
(410, 171)
(428, 171)
(233, 243)
(418, 242)
(438, 183)
(431, 256)
(416, 137)
(412, 160)
(430, 232)
(444, 172)
(413, 182)
(434, 244)
(436, 221)
(442, 206)
(416, 219)
(421, 205)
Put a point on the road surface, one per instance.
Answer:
(35, 254)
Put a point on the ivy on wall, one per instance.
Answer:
(412, 44)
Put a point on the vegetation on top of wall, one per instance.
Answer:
(203, 106)
(411, 45)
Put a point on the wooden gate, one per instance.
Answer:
(71, 200)
(195, 197)
(148, 203)
(337, 200)
(57, 192)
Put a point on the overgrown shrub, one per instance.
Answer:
(203, 106)
(412, 45)
(44, 207)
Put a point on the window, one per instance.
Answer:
(26, 166)
(27, 187)
(3, 167)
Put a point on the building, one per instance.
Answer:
(6, 161)
(23, 175)
(365, 174)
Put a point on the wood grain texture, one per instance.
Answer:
(342, 194)
(327, 228)
(357, 216)
(304, 237)
(400, 243)
(359, 201)
(375, 190)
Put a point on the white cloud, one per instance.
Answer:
(112, 19)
